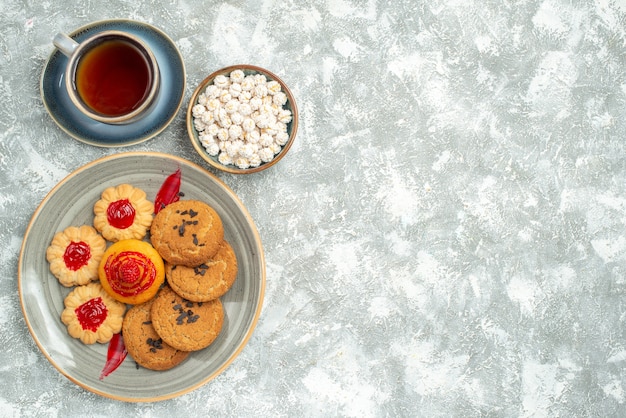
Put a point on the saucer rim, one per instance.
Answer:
(164, 123)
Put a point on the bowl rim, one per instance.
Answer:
(193, 133)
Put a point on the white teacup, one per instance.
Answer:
(111, 77)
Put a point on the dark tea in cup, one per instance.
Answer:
(113, 78)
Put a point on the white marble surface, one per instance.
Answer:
(447, 236)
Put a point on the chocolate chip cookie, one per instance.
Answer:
(143, 343)
(209, 280)
(187, 232)
(186, 325)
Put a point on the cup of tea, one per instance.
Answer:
(111, 77)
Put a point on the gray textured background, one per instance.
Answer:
(447, 236)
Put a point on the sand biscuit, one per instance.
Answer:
(186, 325)
(209, 280)
(143, 343)
(187, 232)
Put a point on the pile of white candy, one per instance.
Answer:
(241, 119)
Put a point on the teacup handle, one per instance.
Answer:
(65, 44)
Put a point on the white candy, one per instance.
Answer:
(212, 91)
(241, 120)
(202, 99)
(212, 149)
(221, 81)
(199, 125)
(235, 89)
(222, 134)
(245, 96)
(268, 108)
(260, 90)
(259, 79)
(253, 136)
(280, 126)
(266, 155)
(237, 76)
(273, 87)
(237, 118)
(247, 150)
(266, 140)
(213, 104)
(248, 124)
(224, 158)
(221, 116)
(263, 120)
(255, 160)
(245, 109)
(234, 132)
(198, 110)
(242, 163)
(280, 98)
(225, 96)
(275, 148)
(212, 129)
(232, 148)
(284, 116)
(256, 103)
(232, 106)
(270, 130)
(281, 138)
(248, 83)
(207, 118)
(206, 138)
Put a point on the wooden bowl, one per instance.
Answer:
(213, 160)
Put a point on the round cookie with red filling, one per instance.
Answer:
(123, 212)
(186, 325)
(131, 271)
(209, 280)
(143, 343)
(91, 315)
(187, 232)
(74, 255)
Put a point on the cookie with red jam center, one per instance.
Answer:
(74, 255)
(91, 315)
(123, 212)
(131, 271)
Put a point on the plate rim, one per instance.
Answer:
(257, 239)
(124, 143)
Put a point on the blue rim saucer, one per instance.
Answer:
(86, 130)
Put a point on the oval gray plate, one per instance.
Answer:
(41, 296)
